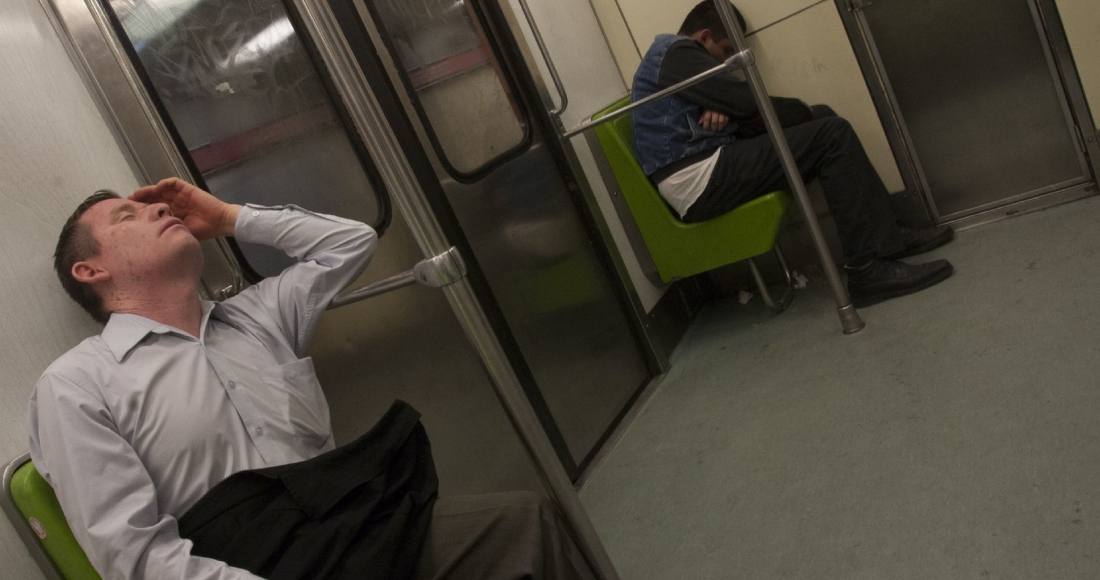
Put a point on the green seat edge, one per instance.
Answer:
(680, 249)
(34, 497)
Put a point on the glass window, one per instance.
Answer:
(463, 96)
(251, 109)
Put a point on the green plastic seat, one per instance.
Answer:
(679, 249)
(42, 524)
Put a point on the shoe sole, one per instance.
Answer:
(872, 300)
(946, 236)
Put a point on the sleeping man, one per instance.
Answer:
(707, 151)
(190, 440)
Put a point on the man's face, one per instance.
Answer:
(721, 50)
(140, 242)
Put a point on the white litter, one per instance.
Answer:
(744, 296)
(801, 281)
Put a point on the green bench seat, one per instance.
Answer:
(33, 508)
(680, 249)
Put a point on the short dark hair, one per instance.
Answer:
(75, 244)
(705, 16)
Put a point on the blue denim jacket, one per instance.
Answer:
(667, 130)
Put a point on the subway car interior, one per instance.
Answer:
(696, 404)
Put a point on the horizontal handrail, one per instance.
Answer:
(371, 290)
(435, 272)
(738, 61)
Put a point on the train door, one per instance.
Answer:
(235, 94)
(476, 125)
(976, 95)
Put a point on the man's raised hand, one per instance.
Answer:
(205, 215)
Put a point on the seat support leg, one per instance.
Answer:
(788, 291)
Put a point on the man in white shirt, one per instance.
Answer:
(134, 426)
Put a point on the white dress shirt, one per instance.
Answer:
(133, 426)
(682, 189)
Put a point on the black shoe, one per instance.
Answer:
(922, 240)
(879, 280)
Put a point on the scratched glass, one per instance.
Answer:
(471, 112)
(250, 107)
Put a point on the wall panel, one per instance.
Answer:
(55, 150)
(1081, 19)
(647, 18)
(821, 68)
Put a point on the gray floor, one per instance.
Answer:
(957, 436)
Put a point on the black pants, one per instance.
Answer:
(499, 536)
(826, 149)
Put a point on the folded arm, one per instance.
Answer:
(724, 93)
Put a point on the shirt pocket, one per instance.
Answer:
(303, 401)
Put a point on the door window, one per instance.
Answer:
(251, 110)
(459, 90)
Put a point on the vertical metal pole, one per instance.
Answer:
(401, 181)
(849, 318)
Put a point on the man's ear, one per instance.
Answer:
(704, 35)
(87, 273)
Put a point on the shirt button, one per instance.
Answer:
(232, 385)
(259, 431)
(255, 213)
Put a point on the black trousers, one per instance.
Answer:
(826, 149)
(499, 536)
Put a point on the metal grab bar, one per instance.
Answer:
(850, 321)
(558, 85)
(739, 61)
(435, 272)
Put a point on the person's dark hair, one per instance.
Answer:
(76, 244)
(705, 16)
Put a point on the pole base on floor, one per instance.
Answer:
(849, 319)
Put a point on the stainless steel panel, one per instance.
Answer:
(534, 250)
(250, 107)
(974, 86)
(554, 294)
(408, 345)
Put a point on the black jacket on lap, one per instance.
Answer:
(360, 511)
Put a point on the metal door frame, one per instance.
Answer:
(1067, 84)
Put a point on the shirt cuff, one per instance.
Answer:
(256, 224)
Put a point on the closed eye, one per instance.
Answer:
(126, 210)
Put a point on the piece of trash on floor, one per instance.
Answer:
(801, 281)
(744, 296)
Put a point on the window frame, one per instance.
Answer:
(521, 107)
(374, 177)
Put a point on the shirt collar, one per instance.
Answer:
(125, 331)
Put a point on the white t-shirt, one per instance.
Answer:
(683, 188)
